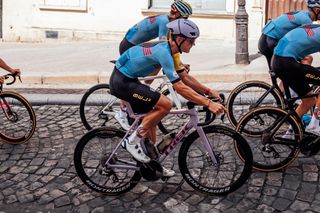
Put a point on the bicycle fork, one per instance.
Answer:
(7, 110)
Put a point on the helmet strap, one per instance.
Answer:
(179, 46)
(314, 12)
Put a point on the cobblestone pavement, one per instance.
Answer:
(39, 176)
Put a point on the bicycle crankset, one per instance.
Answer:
(310, 144)
(151, 171)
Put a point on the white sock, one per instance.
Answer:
(139, 133)
(314, 123)
(122, 113)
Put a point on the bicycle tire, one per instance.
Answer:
(204, 115)
(19, 125)
(224, 140)
(93, 103)
(280, 149)
(92, 151)
(237, 106)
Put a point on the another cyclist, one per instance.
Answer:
(291, 49)
(278, 27)
(5, 66)
(140, 61)
(150, 28)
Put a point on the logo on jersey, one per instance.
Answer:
(309, 29)
(290, 15)
(146, 51)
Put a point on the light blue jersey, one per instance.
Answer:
(280, 26)
(148, 29)
(300, 42)
(142, 60)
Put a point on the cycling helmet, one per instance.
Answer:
(313, 3)
(184, 28)
(181, 7)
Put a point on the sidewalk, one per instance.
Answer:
(83, 64)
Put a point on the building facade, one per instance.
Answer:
(39, 20)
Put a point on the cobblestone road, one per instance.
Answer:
(39, 176)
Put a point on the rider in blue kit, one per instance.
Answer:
(140, 61)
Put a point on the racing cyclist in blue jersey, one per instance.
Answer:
(291, 49)
(154, 26)
(147, 29)
(278, 27)
(140, 61)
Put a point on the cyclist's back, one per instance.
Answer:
(141, 60)
(148, 29)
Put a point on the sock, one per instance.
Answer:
(123, 113)
(313, 123)
(138, 134)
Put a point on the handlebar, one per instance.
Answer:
(13, 76)
(191, 105)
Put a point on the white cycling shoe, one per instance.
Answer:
(135, 149)
(122, 119)
(289, 134)
(315, 130)
(167, 172)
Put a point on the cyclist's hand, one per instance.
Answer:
(16, 72)
(1, 79)
(216, 108)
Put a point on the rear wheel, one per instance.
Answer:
(90, 159)
(250, 95)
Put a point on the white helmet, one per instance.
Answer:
(184, 27)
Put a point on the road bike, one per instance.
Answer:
(18, 120)
(250, 95)
(207, 157)
(98, 106)
(277, 135)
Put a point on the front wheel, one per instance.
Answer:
(273, 136)
(92, 157)
(17, 118)
(250, 95)
(229, 174)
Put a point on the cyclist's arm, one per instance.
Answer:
(5, 66)
(196, 85)
(193, 96)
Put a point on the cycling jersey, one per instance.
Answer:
(300, 42)
(148, 29)
(280, 26)
(142, 60)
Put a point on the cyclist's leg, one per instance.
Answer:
(266, 46)
(124, 45)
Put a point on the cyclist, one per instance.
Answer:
(292, 48)
(5, 66)
(278, 27)
(148, 29)
(139, 61)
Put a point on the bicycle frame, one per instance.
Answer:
(193, 122)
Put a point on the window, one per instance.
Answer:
(69, 5)
(198, 6)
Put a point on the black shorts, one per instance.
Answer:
(296, 75)
(266, 46)
(124, 45)
(141, 97)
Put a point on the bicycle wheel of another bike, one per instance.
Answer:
(273, 136)
(18, 120)
(170, 124)
(245, 98)
(229, 174)
(98, 106)
(90, 156)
